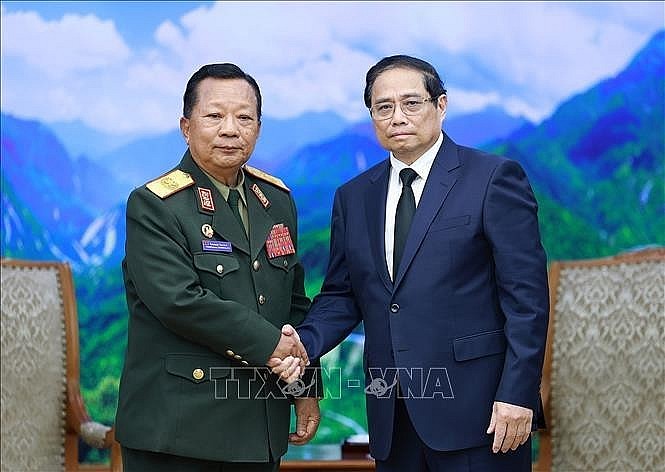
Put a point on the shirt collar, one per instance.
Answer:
(423, 164)
(224, 189)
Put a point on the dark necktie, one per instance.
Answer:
(406, 207)
(233, 198)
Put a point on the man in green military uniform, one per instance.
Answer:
(211, 275)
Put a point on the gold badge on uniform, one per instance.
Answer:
(170, 183)
(207, 230)
(259, 194)
(205, 198)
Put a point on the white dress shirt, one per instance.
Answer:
(422, 166)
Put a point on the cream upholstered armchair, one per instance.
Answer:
(604, 374)
(43, 413)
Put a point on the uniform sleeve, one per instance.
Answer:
(160, 267)
(511, 224)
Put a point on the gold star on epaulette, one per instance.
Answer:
(170, 183)
(259, 174)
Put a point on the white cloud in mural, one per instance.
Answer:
(57, 48)
(313, 56)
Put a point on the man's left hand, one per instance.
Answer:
(288, 368)
(308, 417)
(511, 425)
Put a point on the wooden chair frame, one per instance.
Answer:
(76, 412)
(544, 462)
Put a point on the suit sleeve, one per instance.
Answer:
(160, 265)
(334, 312)
(300, 304)
(511, 224)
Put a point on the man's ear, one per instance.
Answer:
(442, 104)
(184, 127)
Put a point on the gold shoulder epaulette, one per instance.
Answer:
(170, 183)
(259, 174)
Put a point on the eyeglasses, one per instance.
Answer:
(409, 106)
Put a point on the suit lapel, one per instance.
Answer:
(375, 207)
(223, 221)
(440, 181)
(261, 222)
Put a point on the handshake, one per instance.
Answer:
(290, 357)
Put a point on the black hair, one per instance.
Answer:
(433, 83)
(218, 71)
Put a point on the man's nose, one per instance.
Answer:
(398, 117)
(228, 126)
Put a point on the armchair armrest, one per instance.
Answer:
(94, 434)
(79, 421)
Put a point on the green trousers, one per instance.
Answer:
(134, 460)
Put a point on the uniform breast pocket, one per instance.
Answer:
(214, 269)
(285, 263)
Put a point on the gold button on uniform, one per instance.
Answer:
(244, 362)
(220, 268)
(256, 265)
(285, 263)
(198, 374)
(262, 299)
(237, 357)
(230, 353)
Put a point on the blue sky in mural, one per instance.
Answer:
(120, 67)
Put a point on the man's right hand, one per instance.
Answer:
(290, 357)
(290, 345)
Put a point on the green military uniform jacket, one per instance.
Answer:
(200, 316)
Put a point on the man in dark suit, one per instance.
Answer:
(437, 250)
(211, 274)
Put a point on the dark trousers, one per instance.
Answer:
(409, 454)
(134, 460)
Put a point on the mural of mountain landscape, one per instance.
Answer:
(597, 166)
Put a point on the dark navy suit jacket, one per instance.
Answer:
(465, 321)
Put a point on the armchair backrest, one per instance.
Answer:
(34, 366)
(604, 375)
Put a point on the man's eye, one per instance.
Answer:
(384, 107)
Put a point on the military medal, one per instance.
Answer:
(207, 230)
(259, 194)
(205, 199)
(279, 242)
